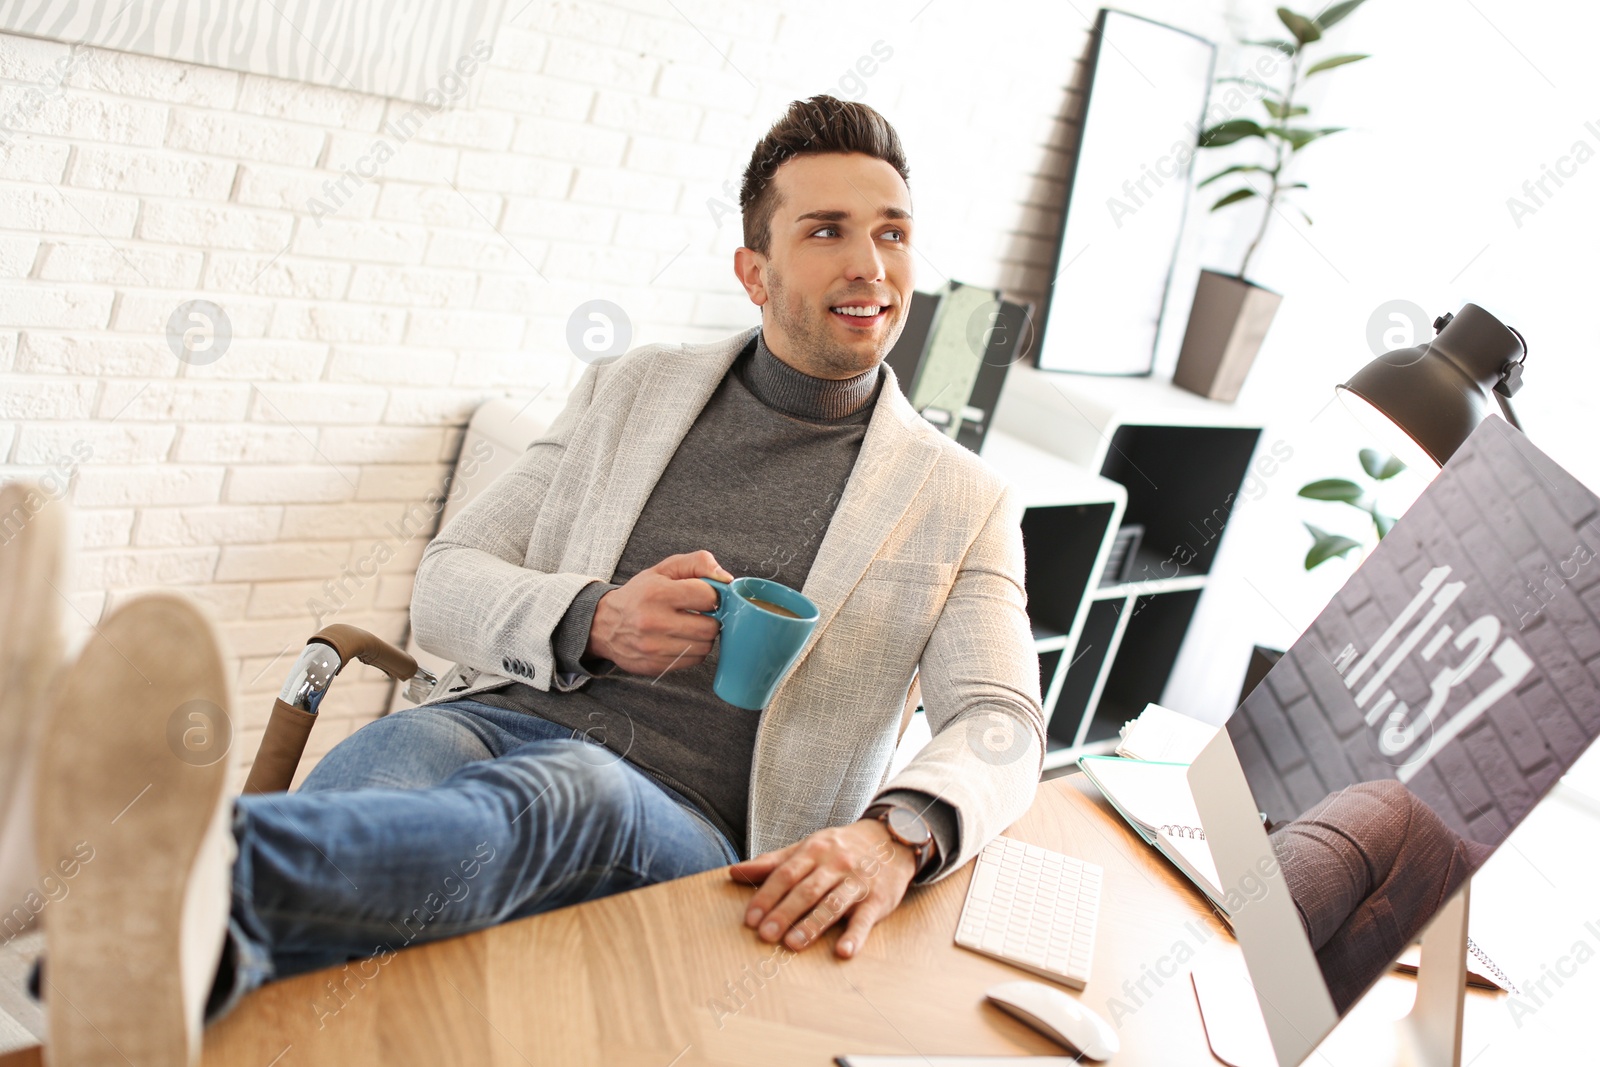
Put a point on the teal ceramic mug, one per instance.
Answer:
(764, 627)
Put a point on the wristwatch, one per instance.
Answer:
(907, 827)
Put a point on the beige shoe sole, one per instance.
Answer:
(132, 783)
(32, 553)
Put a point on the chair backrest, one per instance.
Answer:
(500, 431)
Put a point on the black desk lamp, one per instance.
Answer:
(1424, 401)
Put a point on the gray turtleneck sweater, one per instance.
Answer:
(755, 481)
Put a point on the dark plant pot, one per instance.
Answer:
(1227, 324)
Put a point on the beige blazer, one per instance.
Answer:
(920, 568)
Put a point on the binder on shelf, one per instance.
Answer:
(1119, 565)
(953, 353)
(1010, 340)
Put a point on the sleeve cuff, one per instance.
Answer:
(942, 821)
(571, 635)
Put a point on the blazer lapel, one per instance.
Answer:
(668, 400)
(895, 460)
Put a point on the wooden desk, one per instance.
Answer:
(649, 978)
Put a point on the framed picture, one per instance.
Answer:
(1126, 196)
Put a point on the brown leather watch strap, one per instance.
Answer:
(922, 853)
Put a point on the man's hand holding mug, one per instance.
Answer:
(652, 624)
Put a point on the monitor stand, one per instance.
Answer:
(1428, 1036)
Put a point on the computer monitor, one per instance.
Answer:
(1460, 661)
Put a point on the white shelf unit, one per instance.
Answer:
(1182, 460)
(1068, 528)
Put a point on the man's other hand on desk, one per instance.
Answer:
(855, 870)
(648, 626)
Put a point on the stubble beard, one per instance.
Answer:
(810, 332)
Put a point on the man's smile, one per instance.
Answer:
(860, 316)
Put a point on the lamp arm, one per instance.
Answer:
(1505, 409)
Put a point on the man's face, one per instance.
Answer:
(841, 238)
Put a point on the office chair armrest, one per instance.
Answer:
(281, 747)
(295, 710)
(352, 642)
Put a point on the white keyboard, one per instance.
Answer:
(1034, 909)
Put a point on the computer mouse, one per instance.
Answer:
(1057, 1016)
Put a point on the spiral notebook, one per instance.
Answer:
(1482, 972)
(1154, 798)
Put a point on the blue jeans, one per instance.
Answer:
(438, 821)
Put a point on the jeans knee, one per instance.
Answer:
(410, 749)
(589, 781)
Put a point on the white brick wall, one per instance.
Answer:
(365, 333)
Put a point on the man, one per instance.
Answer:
(576, 749)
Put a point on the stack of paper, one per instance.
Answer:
(1165, 735)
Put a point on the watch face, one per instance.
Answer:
(908, 826)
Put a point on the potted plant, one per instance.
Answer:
(1231, 314)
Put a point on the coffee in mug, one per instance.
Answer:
(767, 605)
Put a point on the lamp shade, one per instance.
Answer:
(1436, 393)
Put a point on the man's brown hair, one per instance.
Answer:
(811, 127)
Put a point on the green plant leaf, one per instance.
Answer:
(1380, 465)
(1237, 168)
(1224, 133)
(1234, 197)
(1305, 31)
(1336, 61)
(1278, 111)
(1299, 137)
(1342, 489)
(1382, 522)
(1337, 12)
(1325, 546)
(1286, 47)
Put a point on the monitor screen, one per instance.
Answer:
(1435, 700)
